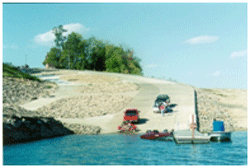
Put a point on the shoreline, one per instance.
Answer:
(99, 128)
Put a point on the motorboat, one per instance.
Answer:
(156, 135)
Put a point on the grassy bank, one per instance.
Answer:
(12, 71)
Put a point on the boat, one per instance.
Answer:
(186, 137)
(156, 135)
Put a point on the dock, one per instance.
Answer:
(220, 136)
(185, 137)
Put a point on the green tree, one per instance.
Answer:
(114, 62)
(98, 56)
(58, 32)
(75, 52)
(52, 58)
(72, 51)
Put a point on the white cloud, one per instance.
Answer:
(152, 66)
(45, 38)
(48, 37)
(202, 39)
(216, 73)
(239, 54)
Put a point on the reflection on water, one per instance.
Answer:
(119, 149)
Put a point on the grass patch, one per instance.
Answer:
(48, 86)
(12, 71)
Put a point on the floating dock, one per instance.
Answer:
(220, 136)
(186, 137)
(219, 133)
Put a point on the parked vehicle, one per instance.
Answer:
(156, 135)
(164, 100)
(131, 115)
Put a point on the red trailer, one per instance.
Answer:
(127, 126)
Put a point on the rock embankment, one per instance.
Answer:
(18, 91)
(109, 88)
(223, 105)
(87, 78)
(85, 106)
(25, 125)
(83, 129)
(22, 125)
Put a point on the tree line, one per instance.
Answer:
(75, 52)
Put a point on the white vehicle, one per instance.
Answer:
(156, 108)
(161, 99)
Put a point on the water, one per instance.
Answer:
(119, 149)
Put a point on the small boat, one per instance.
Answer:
(156, 135)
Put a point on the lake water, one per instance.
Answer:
(122, 149)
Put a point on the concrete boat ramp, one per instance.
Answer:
(181, 95)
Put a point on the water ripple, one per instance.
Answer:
(118, 149)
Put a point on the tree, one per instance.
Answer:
(58, 32)
(72, 51)
(114, 62)
(52, 58)
(98, 55)
(75, 52)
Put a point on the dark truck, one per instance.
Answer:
(160, 99)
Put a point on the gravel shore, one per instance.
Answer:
(19, 91)
(85, 106)
(99, 95)
(87, 78)
(228, 105)
(23, 125)
(109, 88)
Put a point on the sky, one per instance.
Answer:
(201, 44)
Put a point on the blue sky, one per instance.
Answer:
(202, 44)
